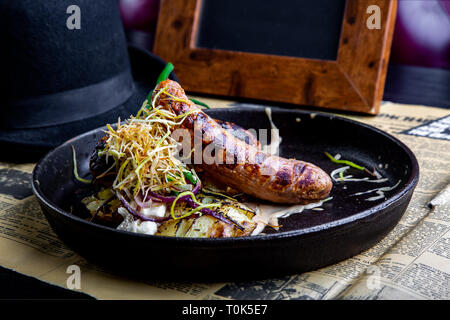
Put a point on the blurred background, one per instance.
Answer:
(420, 56)
(422, 34)
(421, 38)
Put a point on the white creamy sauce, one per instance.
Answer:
(378, 197)
(137, 226)
(336, 178)
(377, 174)
(275, 139)
(269, 214)
(379, 179)
(155, 210)
(349, 178)
(379, 191)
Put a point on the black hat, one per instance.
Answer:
(66, 69)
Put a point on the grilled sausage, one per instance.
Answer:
(98, 165)
(251, 170)
(240, 133)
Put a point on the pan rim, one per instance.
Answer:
(392, 201)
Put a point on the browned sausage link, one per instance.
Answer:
(240, 133)
(252, 171)
(98, 164)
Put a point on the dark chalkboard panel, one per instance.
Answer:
(309, 29)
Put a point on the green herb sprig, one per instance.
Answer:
(162, 77)
(348, 163)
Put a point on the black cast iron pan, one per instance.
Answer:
(307, 241)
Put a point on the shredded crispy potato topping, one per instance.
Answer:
(144, 152)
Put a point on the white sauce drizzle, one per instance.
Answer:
(377, 174)
(379, 191)
(266, 214)
(275, 139)
(334, 175)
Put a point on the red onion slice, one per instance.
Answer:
(130, 209)
(144, 204)
(208, 211)
(164, 199)
(172, 198)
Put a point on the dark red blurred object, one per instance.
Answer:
(139, 14)
(139, 20)
(422, 34)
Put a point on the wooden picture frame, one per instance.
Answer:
(352, 82)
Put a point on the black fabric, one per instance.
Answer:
(30, 144)
(39, 44)
(59, 82)
(68, 106)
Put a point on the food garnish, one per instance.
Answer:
(75, 168)
(141, 156)
(349, 178)
(155, 192)
(349, 163)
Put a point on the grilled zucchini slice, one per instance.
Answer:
(206, 226)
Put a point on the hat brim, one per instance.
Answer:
(35, 142)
